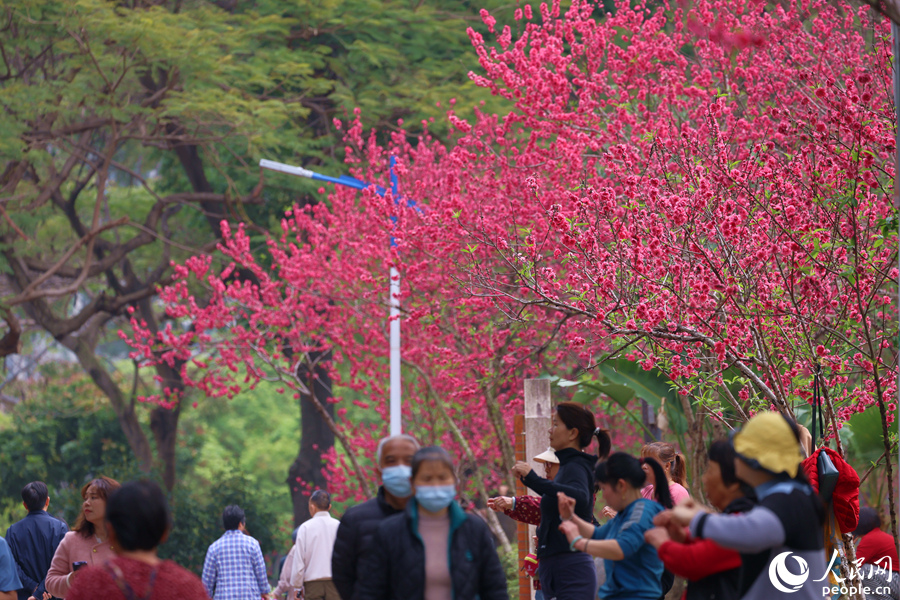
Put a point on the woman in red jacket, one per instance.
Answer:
(712, 571)
(876, 547)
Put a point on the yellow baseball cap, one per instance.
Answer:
(767, 442)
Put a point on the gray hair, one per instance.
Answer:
(391, 438)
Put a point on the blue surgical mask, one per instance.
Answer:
(396, 480)
(434, 498)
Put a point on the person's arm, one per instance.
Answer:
(259, 570)
(57, 579)
(598, 547)
(572, 525)
(576, 527)
(568, 483)
(526, 509)
(697, 559)
(344, 557)
(284, 578)
(301, 559)
(210, 572)
(39, 590)
(608, 549)
(27, 582)
(749, 532)
(9, 580)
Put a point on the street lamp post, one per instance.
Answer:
(394, 300)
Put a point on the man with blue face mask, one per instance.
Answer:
(393, 459)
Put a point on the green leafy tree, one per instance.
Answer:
(129, 131)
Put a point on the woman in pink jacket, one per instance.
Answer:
(87, 543)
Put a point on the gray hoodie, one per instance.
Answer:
(788, 521)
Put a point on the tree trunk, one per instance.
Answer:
(507, 452)
(124, 410)
(164, 425)
(316, 438)
(697, 451)
(164, 421)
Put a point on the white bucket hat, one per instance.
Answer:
(548, 456)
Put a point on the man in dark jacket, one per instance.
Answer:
(34, 539)
(393, 459)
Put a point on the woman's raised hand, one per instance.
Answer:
(521, 469)
(500, 503)
(570, 529)
(685, 511)
(566, 506)
(609, 512)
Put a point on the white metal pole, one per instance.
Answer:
(396, 425)
(396, 428)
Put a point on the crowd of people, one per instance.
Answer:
(414, 539)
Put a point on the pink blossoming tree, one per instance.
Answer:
(701, 188)
(706, 190)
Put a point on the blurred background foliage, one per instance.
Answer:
(64, 433)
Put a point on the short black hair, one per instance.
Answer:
(232, 517)
(139, 515)
(35, 495)
(868, 520)
(321, 499)
(722, 453)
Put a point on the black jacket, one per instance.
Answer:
(397, 570)
(352, 542)
(576, 479)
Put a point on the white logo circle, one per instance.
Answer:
(782, 578)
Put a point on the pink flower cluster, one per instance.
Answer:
(705, 188)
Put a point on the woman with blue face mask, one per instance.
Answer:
(433, 550)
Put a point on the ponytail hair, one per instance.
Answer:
(576, 416)
(679, 470)
(604, 443)
(665, 453)
(628, 468)
(660, 492)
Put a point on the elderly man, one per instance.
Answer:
(311, 568)
(393, 459)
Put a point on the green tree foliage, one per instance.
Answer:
(130, 130)
(64, 433)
